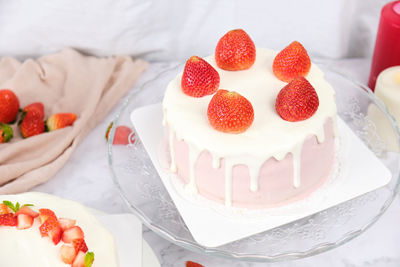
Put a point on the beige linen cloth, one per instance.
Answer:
(64, 82)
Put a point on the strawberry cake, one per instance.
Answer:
(42, 230)
(251, 127)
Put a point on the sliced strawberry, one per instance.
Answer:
(8, 220)
(67, 254)
(24, 221)
(9, 106)
(297, 101)
(199, 78)
(72, 233)
(79, 245)
(49, 224)
(291, 62)
(4, 209)
(230, 112)
(44, 214)
(235, 51)
(79, 260)
(193, 264)
(60, 120)
(27, 211)
(123, 135)
(66, 223)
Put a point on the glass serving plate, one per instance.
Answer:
(145, 195)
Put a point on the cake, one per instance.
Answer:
(30, 236)
(250, 127)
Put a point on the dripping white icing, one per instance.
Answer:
(172, 150)
(268, 137)
(193, 156)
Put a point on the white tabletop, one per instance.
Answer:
(86, 178)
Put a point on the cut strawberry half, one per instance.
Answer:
(67, 254)
(72, 233)
(44, 214)
(79, 260)
(80, 245)
(27, 211)
(24, 221)
(4, 209)
(8, 219)
(66, 223)
(52, 229)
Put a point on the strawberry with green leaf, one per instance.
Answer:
(6, 133)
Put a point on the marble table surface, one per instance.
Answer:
(86, 178)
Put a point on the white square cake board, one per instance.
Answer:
(214, 225)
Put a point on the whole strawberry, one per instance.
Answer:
(31, 124)
(6, 133)
(291, 62)
(35, 107)
(235, 51)
(297, 101)
(199, 78)
(60, 120)
(9, 106)
(230, 112)
(193, 264)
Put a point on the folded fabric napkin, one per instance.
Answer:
(64, 82)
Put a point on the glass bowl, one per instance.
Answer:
(142, 190)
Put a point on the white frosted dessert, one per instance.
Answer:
(27, 247)
(273, 162)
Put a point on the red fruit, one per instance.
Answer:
(32, 124)
(199, 78)
(79, 260)
(193, 264)
(297, 101)
(235, 51)
(49, 224)
(8, 220)
(122, 135)
(79, 245)
(72, 233)
(60, 120)
(230, 112)
(66, 223)
(6, 133)
(36, 107)
(44, 214)
(24, 221)
(9, 106)
(4, 209)
(67, 254)
(27, 211)
(291, 62)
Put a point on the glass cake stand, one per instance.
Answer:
(142, 190)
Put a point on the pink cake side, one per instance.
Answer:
(275, 180)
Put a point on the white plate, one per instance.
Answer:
(360, 172)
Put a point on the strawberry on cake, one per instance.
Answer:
(48, 232)
(250, 127)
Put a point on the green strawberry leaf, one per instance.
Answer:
(15, 207)
(28, 205)
(89, 259)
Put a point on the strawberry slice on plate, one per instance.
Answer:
(67, 254)
(52, 229)
(66, 223)
(27, 211)
(72, 233)
(8, 219)
(80, 245)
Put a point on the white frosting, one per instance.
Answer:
(268, 136)
(27, 247)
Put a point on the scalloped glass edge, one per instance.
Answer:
(164, 233)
